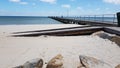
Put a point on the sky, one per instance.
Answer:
(58, 7)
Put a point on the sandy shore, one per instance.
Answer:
(15, 51)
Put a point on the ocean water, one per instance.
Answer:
(24, 20)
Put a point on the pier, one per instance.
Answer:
(88, 28)
(94, 20)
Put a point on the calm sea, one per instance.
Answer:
(24, 20)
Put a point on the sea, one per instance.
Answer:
(25, 20)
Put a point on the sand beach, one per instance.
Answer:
(15, 51)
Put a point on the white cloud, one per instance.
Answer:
(72, 0)
(49, 1)
(107, 8)
(112, 1)
(33, 3)
(66, 6)
(19, 1)
(97, 9)
(15, 0)
(24, 3)
(79, 8)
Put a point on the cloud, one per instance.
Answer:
(24, 3)
(34, 4)
(15, 0)
(72, 0)
(97, 9)
(79, 8)
(66, 6)
(49, 1)
(112, 1)
(19, 1)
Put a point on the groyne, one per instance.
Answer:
(71, 31)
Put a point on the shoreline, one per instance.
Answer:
(8, 29)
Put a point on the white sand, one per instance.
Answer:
(15, 51)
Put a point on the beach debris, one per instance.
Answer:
(118, 66)
(90, 62)
(35, 63)
(56, 62)
(105, 35)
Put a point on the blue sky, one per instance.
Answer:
(58, 7)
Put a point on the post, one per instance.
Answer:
(103, 18)
(118, 19)
(94, 17)
(114, 18)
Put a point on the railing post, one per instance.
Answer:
(84, 18)
(94, 17)
(118, 19)
(89, 18)
(103, 18)
(114, 18)
(80, 18)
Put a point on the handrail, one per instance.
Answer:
(104, 18)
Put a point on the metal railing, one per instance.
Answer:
(103, 18)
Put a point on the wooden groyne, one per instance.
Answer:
(81, 22)
(112, 30)
(71, 31)
(59, 32)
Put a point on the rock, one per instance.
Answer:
(102, 34)
(116, 39)
(19, 66)
(90, 62)
(105, 35)
(118, 66)
(80, 66)
(56, 62)
(35, 63)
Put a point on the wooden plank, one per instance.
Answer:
(112, 30)
(65, 32)
(52, 29)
